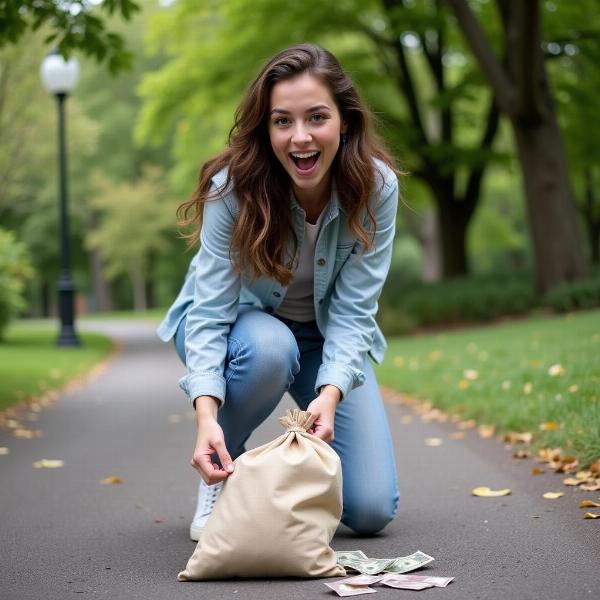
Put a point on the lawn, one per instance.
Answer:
(31, 364)
(541, 376)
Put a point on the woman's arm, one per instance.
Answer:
(353, 304)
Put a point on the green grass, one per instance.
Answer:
(31, 364)
(510, 383)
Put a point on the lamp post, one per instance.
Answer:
(59, 78)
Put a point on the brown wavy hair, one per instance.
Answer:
(261, 233)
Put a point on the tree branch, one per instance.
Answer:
(504, 90)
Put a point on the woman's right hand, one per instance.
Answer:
(210, 439)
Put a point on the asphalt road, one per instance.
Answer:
(64, 535)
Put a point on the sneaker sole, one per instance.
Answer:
(195, 532)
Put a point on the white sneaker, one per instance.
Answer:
(207, 497)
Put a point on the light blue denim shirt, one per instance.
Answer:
(347, 285)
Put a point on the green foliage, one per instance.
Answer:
(579, 295)
(74, 25)
(15, 271)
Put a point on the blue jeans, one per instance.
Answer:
(269, 355)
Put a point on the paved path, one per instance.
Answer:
(64, 535)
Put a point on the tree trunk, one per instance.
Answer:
(592, 220)
(551, 209)
(101, 290)
(432, 251)
(139, 289)
(453, 221)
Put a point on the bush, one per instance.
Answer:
(575, 296)
(15, 270)
(465, 300)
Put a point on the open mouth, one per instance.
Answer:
(305, 161)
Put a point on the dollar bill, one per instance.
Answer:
(405, 585)
(367, 566)
(365, 579)
(341, 588)
(434, 581)
(403, 564)
(349, 554)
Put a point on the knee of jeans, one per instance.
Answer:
(369, 517)
(273, 352)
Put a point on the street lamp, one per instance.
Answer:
(59, 77)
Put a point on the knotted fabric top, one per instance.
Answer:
(297, 420)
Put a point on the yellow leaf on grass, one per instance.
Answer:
(589, 504)
(549, 426)
(589, 515)
(457, 435)
(113, 479)
(556, 371)
(471, 374)
(486, 492)
(48, 463)
(537, 470)
(433, 442)
(595, 466)
(469, 424)
(583, 474)
(553, 495)
(513, 437)
(463, 384)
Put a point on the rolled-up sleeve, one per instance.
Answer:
(353, 305)
(215, 306)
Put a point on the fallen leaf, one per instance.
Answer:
(595, 466)
(556, 371)
(553, 495)
(549, 426)
(549, 454)
(159, 520)
(469, 424)
(486, 492)
(48, 463)
(528, 388)
(590, 487)
(457, 435)
(433, 442)
(583, 474)
(506, 385)
(406, 419)
(589, 515)
(113, 479)
(4, 451)
(537, 471)
(589, 504)
(521, 454)
(573, 481)
(573, 388)
(174, 418)
(513, 437)
(535, 516)
(486, 431)
(463, 384)
(471, 374)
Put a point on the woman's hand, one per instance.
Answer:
(323, 408)
(210, 439)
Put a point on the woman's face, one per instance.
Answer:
(304, 127)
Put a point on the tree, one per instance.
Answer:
(134, 220)
(74, 25)
(436, 113)
(523, 93)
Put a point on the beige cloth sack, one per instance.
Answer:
(277, 511)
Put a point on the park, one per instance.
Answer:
(490, 309)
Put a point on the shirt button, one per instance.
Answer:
(321, 262)
(269, 309)
(277, 294)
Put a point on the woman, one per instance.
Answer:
(296, 220)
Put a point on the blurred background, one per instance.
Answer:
(490, 107)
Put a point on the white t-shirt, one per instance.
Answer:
(298, 302)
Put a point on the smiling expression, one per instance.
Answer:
(304, 128)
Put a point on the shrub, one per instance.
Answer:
(575, 296)
(15, 270)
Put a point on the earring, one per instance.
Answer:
(343, 137)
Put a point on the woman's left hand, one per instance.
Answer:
(323, 408)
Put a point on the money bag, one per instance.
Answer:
(277, 512)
